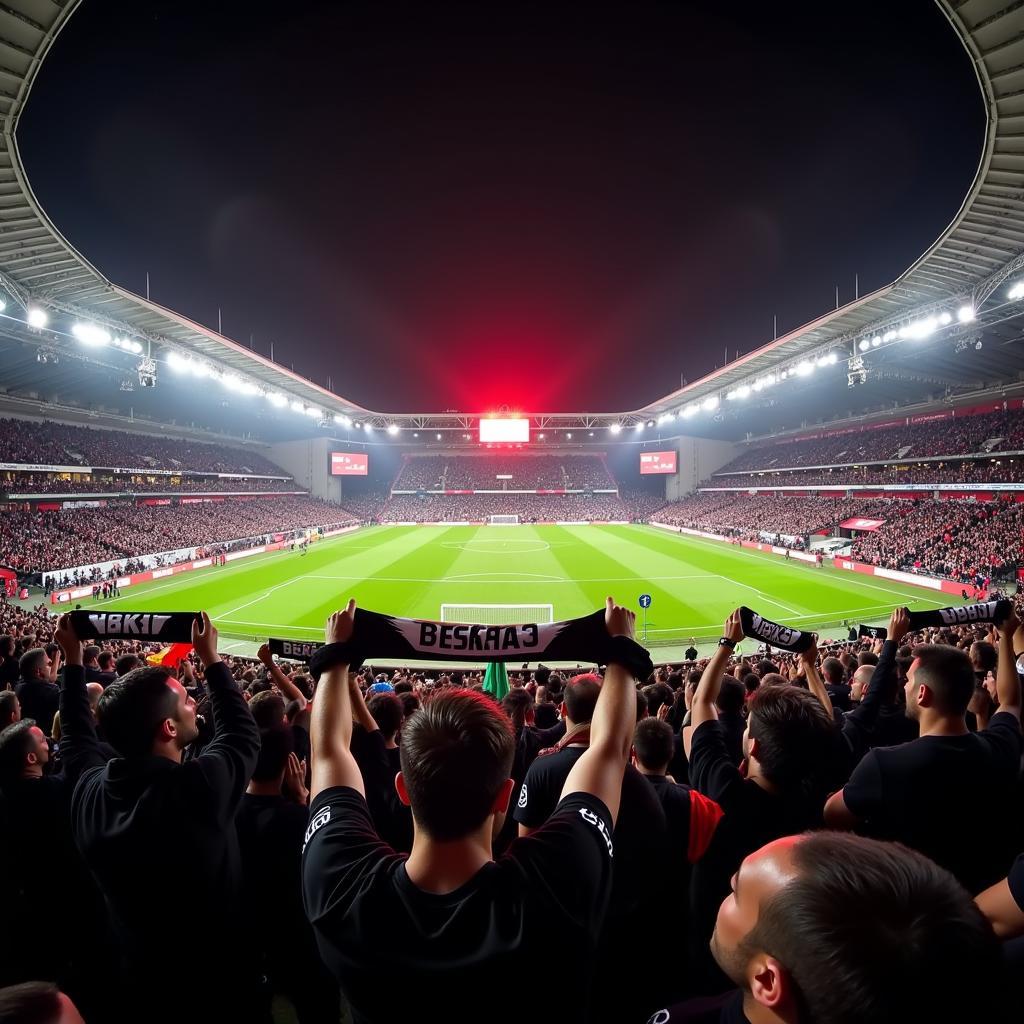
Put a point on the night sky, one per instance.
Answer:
(556, 207)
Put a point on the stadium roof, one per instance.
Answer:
(978, 251)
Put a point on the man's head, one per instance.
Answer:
(834, 928)
(34, 664)
(90, 656)
(832, 672)
(861, 678)
(518, 705)
(106, 661)
(386, 710)
(788, 734)
(268, 709)
(653, 745)
(23, 751)
(765, 667)
(127, 663)
(940, 680)
(94, 691)
(276, 743)
(6, 646)
(37, 1002)
(456, 755)
(148, 712)
(10, 708)
(579, 698)
(984, 657)
(731, 696)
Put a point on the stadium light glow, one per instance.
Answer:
(231, 381)
(439, 437)
(1016, 291)
(864, 345)
(743, 391)
(368, 427)
(312, 410)
(945, 318)
(638, 427)
(248, 388)
(965, 314)
(804, 368)
(569, 435)
(919, 329)
(298, 407)
(392, 429)
(277, 399)
(615, 428)
(665, 417)
(179, 364)
(342, 421)
(37, 318)
(90, 334)
(888, 336)
(3, 305)
(691, 410)
(710, 404)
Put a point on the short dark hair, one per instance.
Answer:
(305, 685)
(580, 697)
(30, 661)
(131, 709)
(267, 709)
(751, 681)
(732, 695)
(90, 652)
(657, 694)
(126, 663)
(516, 704)
(867, 658)
(16, 744)
(653, 743)
(793, 735)
(8, 702)
(988, 657)
(410, 703)
(31, 1002)
(386, 709)
(832, 670)
(948, 673)
(6, 645)
(456, 754)
(276, 743)
(870, 931)
(764, 666)
(106, 659)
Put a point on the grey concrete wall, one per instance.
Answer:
(309, 462)
(698, 459)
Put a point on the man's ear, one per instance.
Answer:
(168, 730)
(925, 697)
(504, 796)
(754, 750)
(769, 983)
(403, 793)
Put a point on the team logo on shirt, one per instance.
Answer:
(522, 796)
(319, 820)
(661, 1017)
(591, 818)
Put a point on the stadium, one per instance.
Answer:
(869, 459)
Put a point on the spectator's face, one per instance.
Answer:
(185, 715)
(760, 877)
(40, 748)
(910, 690)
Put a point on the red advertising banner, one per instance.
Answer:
(155, 501)
(349, 464)
(929, 417)
(862, 524)
(657, 462)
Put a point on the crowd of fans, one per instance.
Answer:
(60, 444)
(32, 542)
(963, 471)
(958, 435)
(516, 472)
(531, 508)
(15, 484)
(828, 837)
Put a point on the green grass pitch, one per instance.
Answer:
(412, 570)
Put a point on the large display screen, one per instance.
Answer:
(657, 462)
(348, 464)
(506, 431)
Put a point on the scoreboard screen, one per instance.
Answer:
(657, 462)
(346, 464)
(504, 431)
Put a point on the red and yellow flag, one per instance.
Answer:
(169, 657)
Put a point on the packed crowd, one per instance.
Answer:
(32, 542)
(821, 838)
(518, 472)
(531, 508)
(961, 540)
(60, 444)
(965, 471)
(748, 516)
(15, 484)
(959, 435)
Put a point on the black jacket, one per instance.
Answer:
(39, 700)
(158, 836)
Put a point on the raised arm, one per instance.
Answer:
(281, 681)
(79, 745)
(599, 771)
(1007, 679)
(703, 706)
(330, 726)
(809, 660)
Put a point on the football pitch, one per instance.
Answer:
(412, 571)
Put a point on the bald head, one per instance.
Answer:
(861, 678)
(94, 691)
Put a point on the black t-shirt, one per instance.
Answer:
(403, 954)
(949, 797)
(723, 1009)
(392, 819)
(752, 816)
(690, 653)
(39, 700)
(1015, 880)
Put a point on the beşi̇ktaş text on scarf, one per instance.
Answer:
(376, 635)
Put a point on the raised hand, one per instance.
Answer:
(204, 640)
(341, 624)
(618, 621)
(265, 656)
(899, 624)
(66, 636)
(733, 627)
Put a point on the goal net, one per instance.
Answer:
(503, 520)
(497, 614)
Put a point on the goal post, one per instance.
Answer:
(503, 520)
(497, 614)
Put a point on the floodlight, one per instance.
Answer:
(1016, 291)
(710, 404)
(439, 437)
(342, 421)
(179, 364)
(87, 334)
(277, 399)
(615, 428)
(392, 429)
(889, 336)
(965, 314)
(569, 435)
(743, 391)
(37, 318)
(231, 381)
(804, 368)
(368, 427)
(298, 407)
(665, 417)
(638, 426)
(945, 318)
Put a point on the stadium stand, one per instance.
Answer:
(18, 484)
(487, 472)
(968, 472)
(531, 508)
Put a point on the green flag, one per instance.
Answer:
(496, 680)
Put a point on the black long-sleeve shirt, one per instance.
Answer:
(859, 724)
(159, 836)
